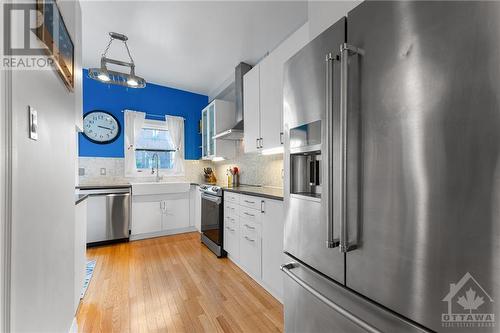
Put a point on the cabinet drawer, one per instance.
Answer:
(250, 228)
(231, 239)
(231, 209)
(231, 197)
(231, 221)
(250, 252)
(250, 202)
(251, 215)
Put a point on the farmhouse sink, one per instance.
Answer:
(152, 188)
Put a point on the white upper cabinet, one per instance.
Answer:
(263, 95)
(251, 106)
(218, 116)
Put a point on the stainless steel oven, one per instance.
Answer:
(212, 218)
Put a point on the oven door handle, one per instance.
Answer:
(217, 200)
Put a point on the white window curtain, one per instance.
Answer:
(175, 126)
(133, 125)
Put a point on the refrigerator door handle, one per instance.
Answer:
(331, 241)
(345, 50)
(286, 268)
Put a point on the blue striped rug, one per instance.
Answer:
(88, 276)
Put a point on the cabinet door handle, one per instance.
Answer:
(249, 239)
(262, 206)
(257, 143)
(248, 214)
(281, 137)
(250, 202)
(249, 227)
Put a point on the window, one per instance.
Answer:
(154, 140)
(148, 141)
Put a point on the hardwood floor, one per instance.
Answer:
(173, 284)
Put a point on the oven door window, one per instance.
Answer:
(211, 216)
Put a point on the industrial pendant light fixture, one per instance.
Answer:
(104, 75)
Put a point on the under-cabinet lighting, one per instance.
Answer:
(272, 151)
(218, 159)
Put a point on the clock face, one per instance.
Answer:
(101, 127)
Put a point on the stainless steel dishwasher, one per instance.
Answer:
(108, 215)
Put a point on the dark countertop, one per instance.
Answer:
(80, 197)
(258, 191)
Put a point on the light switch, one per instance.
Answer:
(33, 121)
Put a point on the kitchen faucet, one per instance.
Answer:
(157, 159)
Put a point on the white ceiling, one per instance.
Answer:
(188, 45)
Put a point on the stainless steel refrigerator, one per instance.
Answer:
(392, 171)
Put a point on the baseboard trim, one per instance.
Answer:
(162, 233)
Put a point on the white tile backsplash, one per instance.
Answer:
(115, 171)
(255, 169)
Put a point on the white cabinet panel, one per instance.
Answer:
(231, 237)
(250, 248)
(146, 217)
(80, 249)
(271, 99)
(271, 87)
(272, 245)
(263, 95)
(197, 209)
(250, 202)
(251, 105)
(96, 227)
(231, 197)
(175, 214)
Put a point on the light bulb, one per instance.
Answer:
(103, 77)
(132, 82)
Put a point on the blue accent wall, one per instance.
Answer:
(154, 99)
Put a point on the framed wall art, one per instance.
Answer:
(53, 33)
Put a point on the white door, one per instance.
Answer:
(176, 214)
(251, 105)
(272, 245)
(146, 217)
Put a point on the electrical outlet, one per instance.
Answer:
(33, 122)
(103, 171)
(81, 171)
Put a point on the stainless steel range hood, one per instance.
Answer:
(236, 132)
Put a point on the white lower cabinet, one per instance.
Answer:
(250, 247)
(175, 214)
(272, 246)
(253, 238)
(157, 215)
(197, 209)
(146, 217)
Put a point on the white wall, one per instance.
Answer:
(323, 14)
(3, 243)
(43, 198)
